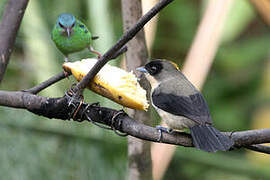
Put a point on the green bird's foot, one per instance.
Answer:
(92, 50)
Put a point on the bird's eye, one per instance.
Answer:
(61, 25)
(153, 69)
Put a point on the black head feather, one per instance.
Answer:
(159, 68)
(154, 67)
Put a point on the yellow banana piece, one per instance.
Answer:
(111, 82)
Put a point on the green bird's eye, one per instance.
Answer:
(61, 25)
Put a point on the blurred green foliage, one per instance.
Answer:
(34, 147)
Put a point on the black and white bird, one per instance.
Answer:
(181, 105)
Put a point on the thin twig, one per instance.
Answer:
(47, 83)
(259, 148)
(119, 52)
(128, 35)
(62, 75)
(9, 27)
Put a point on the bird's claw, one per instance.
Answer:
(162, 129)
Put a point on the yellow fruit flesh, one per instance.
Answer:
(111, 82)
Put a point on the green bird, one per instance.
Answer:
(71, 35)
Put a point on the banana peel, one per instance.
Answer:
(112, 82)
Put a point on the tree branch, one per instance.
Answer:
(9, 27)
(120, 52)
(139, 151)
(259, 148)
(62, 75)
(59, 108)
(47, 83)
(246, 138)
(128, 35)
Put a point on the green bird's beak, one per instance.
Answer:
(68, 30)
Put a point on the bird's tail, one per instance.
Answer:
(208, 138)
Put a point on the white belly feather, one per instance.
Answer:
(175, 122)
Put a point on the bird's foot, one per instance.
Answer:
(162, 129)
(91, 49)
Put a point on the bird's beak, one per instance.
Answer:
(68, 30)
(142, 69)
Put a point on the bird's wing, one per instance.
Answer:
(192, 107)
